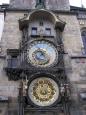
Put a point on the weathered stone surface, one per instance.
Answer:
(71, 39)
(3, 109)
(7, 88)
(71, 36)
(11, 33)
(50, 4)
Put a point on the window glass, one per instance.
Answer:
(34, 31)
(48, 31)
(14, 62)
(84, 40)
(1, 24)
(83, 96)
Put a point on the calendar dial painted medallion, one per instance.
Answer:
(43, 91)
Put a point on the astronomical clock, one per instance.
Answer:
(42, 53)
(42, 61)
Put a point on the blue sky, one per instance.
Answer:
(72, 2)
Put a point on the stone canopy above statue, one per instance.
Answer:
(50, 16)
(47, 4)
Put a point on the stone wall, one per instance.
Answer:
(75, 61)
(75, 67)
(72, 35)
(7, 88)
(50, 4)
(11, 34)
(71, 38)
(3, 109)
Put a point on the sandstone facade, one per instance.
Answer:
(74, 59)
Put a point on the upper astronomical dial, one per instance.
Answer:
(42, 53)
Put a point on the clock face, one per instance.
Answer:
(43, 91)
(42, 53)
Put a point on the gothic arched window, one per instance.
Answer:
(83, 34)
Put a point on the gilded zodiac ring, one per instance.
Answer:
(43, 91)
